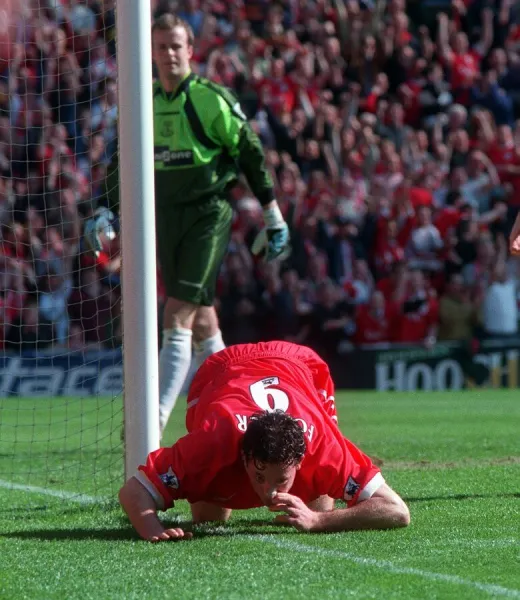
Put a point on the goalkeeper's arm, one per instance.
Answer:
(233, 131)
(273, 242)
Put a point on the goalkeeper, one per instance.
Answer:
(201, 142)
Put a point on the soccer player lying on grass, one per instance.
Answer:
(262, 430)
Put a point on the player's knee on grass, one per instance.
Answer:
(322, 504)
(204, 512)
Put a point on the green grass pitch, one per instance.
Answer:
(454, 457)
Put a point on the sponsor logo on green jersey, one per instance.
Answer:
(173, 158)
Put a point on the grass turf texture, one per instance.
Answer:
(453, 456)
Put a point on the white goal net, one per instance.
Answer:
(60, 326)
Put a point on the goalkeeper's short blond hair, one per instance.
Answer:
(169, 21)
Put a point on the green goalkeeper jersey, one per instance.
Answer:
(201, 142)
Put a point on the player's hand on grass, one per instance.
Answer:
(98, 228)
(273, 242)
(297, 513)
(170, 535)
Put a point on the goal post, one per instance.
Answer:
(78, 333)
(137, 207)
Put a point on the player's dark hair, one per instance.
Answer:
(273, 438)
(168, 21)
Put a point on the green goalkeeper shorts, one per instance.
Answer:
(192, 240)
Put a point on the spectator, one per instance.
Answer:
(482, 179)
(456, 54)
(332, 319)
(90, 310)
(317, 272)
(488, 94)
(12, 294)
(55, 290)
(394, 283)
(308, 239)
(388, 251)
(359, 289)
(477, 272)
(500, 306)
(82, 18)
(344, 249)
(425, 243)
(395, 128)
(52, 254)
(416, 312)
(239, 306)
(458, 311)
(29, 331)
(285, 304)
(504, 153)
(435, 96)
(374, 321)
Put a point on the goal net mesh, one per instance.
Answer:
(60, 327)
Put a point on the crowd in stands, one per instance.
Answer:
(58, 117)
(392, 131)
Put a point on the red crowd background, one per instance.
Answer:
(391, 128)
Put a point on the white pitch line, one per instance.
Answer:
(386, 565)
(493, 590)
(33, 489)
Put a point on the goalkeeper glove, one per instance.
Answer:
(273, 242)
(99, 226)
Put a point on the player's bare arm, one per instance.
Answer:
(514, 238)
(384, 510)
(141, 509)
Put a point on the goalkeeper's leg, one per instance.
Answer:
(207, 337)
(175, 355)
(190, 258)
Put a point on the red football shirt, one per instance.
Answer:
(420, 196)
(463, 69)
(229, 388)
(280, 95)
(414, 326)
(373, 328)
(503, 157)
(446, 219)
(388, 253)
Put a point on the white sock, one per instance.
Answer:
(174, 364)
(207, 347)
(202, 350)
